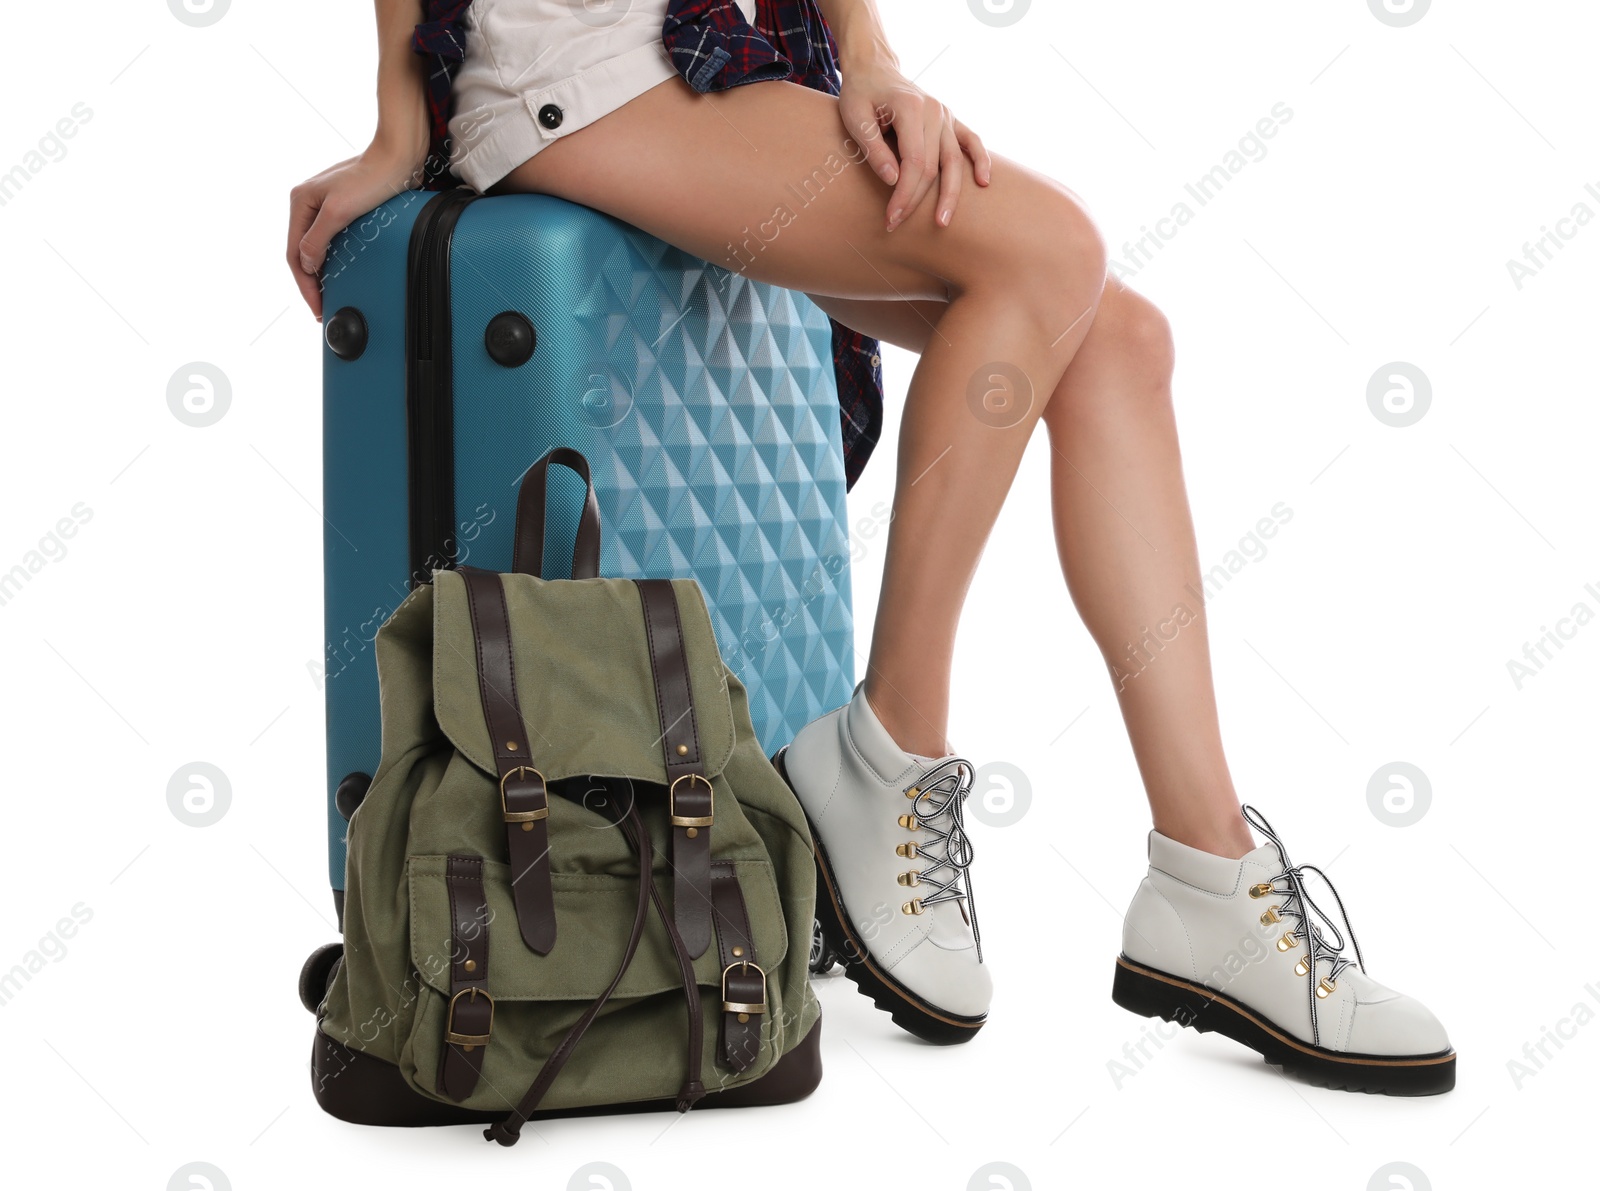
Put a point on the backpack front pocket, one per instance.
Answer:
(635, 1049)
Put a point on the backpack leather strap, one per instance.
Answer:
(469, 1019)
(524, 801)
(689, 795)
(692, 1089)
(744, 984)
(506, 1131)
(528, 552)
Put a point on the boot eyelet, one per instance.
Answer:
(1325, 989)
(1270, 916)
(913, 793)
(1304, 966)
(912, 879)
(1261, 890)
(909, 822)
(1288, 942)
(907, 850)
(914, 906)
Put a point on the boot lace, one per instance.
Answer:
(938, 803)
(1324, 941)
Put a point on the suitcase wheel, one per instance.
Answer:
(316, 972)
(350, 793)
(510, 339)
(346, 333)
(823, 956)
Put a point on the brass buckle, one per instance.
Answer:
(468, 1041)
(542, 812)
(672, 802)
(741, 1007)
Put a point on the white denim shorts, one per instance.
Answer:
(538, 70)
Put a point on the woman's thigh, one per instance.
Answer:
(765, 180)
(907, 323)
(1126, 323)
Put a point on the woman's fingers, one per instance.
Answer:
(931, 133)
(323, 206)
(311, 290)
(906, 119)
(861, 121)
(303, 204)
(330, 221)
(305, 201)
(932, 149)
(972, 145)
(332, 217)
(952, 168)
(918, 166)
(928, 150)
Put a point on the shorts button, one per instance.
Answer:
(551, 116)
(877, 361)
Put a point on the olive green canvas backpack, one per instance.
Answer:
(576, 883)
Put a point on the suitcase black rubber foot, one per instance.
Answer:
(346, 333)
(316, 972)
(352, 789)
(510, 339)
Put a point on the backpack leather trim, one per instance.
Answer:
(589, 632)
(525, 802)
(689, 790)
(744, 985)
(528, 551)
(469, 1021)
(354, 1086)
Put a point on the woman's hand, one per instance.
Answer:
(933, 146)
(321, 207)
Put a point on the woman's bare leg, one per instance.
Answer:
(1127, 547)
(760, 179)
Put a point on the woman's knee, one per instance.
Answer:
(1074, 251)
(1123, 370)
(1134, 328)
(1043, 252)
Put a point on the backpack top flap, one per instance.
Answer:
(583, 677)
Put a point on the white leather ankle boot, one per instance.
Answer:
(1239, 947)
(894, 896)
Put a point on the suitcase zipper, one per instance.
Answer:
(429, 396)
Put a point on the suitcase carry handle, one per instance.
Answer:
(528, 554)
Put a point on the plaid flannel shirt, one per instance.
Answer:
(713, 47)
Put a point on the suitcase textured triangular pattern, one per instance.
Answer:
(706, 405)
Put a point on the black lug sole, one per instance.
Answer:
(908, 1011)
(1150, 993)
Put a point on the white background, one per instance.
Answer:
(179, 624)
